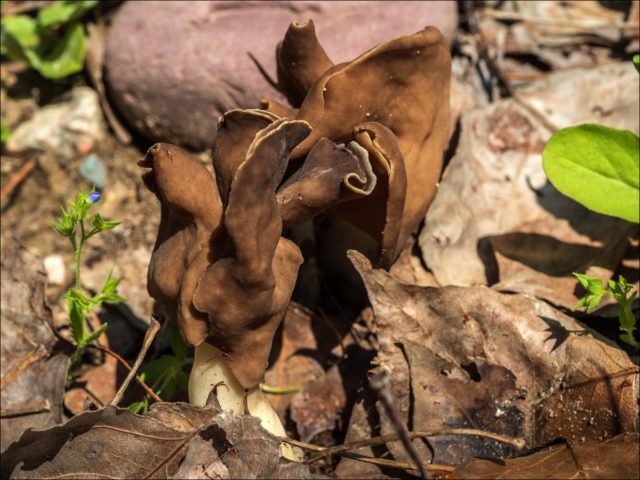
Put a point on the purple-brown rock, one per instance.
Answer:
(172, 68)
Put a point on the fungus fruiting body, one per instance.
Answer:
(366, 141)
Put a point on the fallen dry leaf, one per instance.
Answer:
(34, 363)
(614, 458)
(470, 357)
(115, 443)
(298, 361)
(317, 408)
(513, 227)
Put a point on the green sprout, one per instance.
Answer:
(78, 226)
(619, 291)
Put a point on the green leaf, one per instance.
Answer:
(597, 166)
(629, 339)
(19, 33)
(140, 407)
(591, 284)
(595, 291)
(76, 316)
(627, 319)
(5, 132)
(64, 11)
(636, 62)
(66, 58)
(65, 225)
(80, 206)
(109, 292)
(166, 373)
(101, 224)
(95, 334)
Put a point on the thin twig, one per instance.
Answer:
(139, 379)
(154, 326)
(363, 458)
(17, 179)
(517, 443)
(380, 383)
(396, 464)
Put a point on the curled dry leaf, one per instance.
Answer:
(513, 227)
(163, 444)
(614, 458)
(509, 364)
(33, 364)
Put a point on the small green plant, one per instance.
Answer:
(599, 167)
(620, 292)
(53, 43)
(78, 226)
(166, 374)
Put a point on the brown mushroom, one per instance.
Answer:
(220, 267)
(369, 135)
(403, 85)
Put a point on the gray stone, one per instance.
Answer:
(172, 68)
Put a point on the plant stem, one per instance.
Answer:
(78, 252)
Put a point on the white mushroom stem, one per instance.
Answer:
(210, 369)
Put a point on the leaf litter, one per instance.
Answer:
(508, 359)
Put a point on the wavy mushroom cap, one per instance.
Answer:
(220, 267)
(403, 85)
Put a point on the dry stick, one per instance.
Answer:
(363, 458)
(517, 443)
(139, 379)
(148, 338)
(396, 464)
(17, 179)
(380, 383)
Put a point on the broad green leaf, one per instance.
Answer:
(66, 58)
(63, 11)
(636, 61)
(23, 29)
(19, 33)
(597, 166)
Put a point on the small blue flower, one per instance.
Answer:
(94, 197)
